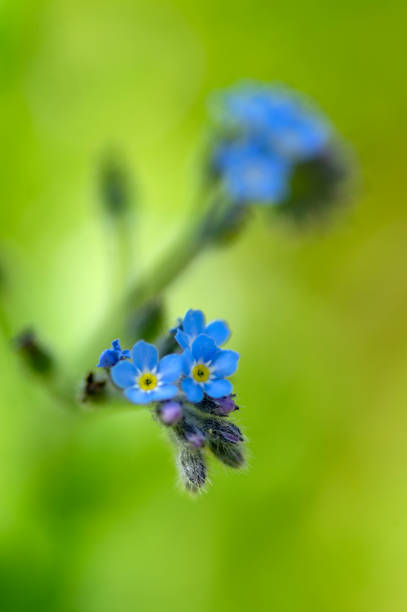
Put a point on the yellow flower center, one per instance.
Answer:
(147, 381)
(200, 372)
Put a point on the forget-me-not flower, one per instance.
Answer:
(145, 379)
(280, 117)
(251, 173)
(205, 368)
(262, 134)
(194, 324)
(110, 357)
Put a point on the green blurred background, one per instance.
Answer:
(91, 519)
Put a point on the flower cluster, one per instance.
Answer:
(267, 145)
(190, 390)
(264, 133)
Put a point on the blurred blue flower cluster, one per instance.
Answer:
(262, 133)
(190, 391)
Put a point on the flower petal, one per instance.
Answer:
(194, 322)
(187, 361)
(218, 331)
(218, 388)
(145, 355)
(124, 374)
(116, 345)
(204, 348)
(193, 391)
(138, 396)
(164, 392)
(177, 326)
(170, 367)
(108, 358)
(225, 363)
(182, 338)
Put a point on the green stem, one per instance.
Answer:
(122, 257)
(175, 260)
(178, 257)
(181, 254)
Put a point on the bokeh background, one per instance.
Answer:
(91, 519)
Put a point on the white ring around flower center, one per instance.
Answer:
(205, 365)
(148, 380)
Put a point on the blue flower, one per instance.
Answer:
(146, 379)
(283, 119)
(193, 324)
(253, 174)
(228, 152)
(205, 367)
(110, 357)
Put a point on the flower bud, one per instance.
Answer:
(114, 188)
(221, 406)
(223, 430)
(36, 356)
(170, 413)
(225, 405)
(188, 431)
(93, 390)
(110, 357)
(193, 435)
(192, 468)
(197, 439)
(230, 454)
